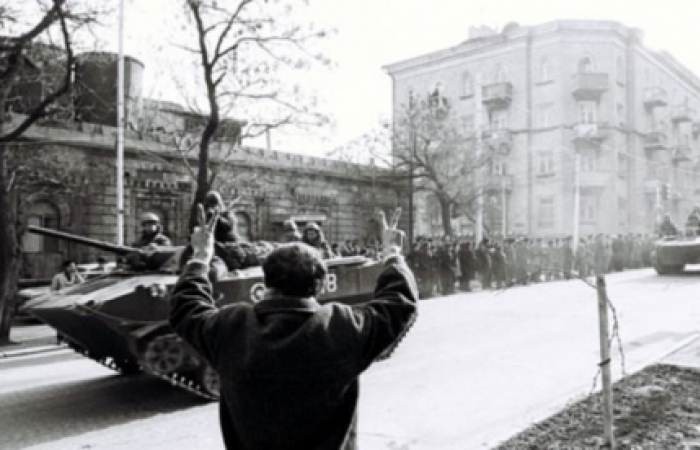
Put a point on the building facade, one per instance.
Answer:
(569, 102)
(159, 173)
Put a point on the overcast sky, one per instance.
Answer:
(373, 33)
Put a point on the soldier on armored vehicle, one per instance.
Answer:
(313, 236)
(667, 228)
(692, 226)
(152, 233)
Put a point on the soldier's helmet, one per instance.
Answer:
(150, 217)
(213, 199)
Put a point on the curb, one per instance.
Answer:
(556, 406)
(31, 351)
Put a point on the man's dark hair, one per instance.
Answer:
(67, 263)
(292, 269)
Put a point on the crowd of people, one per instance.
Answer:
(447, 265)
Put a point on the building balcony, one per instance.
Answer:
(497, 95)
(681, 152)
(500, 141)
(655, 140)
(590, 86)
(595, 179)
(496, 182)
(589, 133)
(655, 97)
(682, 114)
(696, 129)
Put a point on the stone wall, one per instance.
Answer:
(341, 197)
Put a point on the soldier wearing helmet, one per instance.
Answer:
(152, 232)
(313, 236)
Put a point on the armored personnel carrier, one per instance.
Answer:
(120, 319)
(671, 254)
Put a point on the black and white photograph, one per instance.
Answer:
(349, 225)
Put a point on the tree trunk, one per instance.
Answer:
(9, 253)
(446, 214)
(203, 168)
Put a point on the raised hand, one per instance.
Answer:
(202, 239)
(392, 238)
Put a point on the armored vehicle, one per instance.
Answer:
(671, 254)
(120, 319)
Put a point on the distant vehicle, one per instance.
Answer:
(121, 319)
(672, 254)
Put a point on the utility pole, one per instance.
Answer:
(604, 338)
(577, 198)
(478, 116)
(504, 210)
(120, 129)
(658, 203)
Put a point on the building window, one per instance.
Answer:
(545, 212)
(499, 74)
(545, 163)
(45, 215)
(499, 167)
(621, 115)
(620, 69)
(588, 209)
(622, 216)
(545, 74)
(467, 85)
(544, 115)
(585, 65)
(436, 96)
(468, 123)
(587, 112)
(411, 98)
(499, 120)
(589, 161)
(622, 165)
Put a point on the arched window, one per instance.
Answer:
(467, 84)
(620, 68)
(244, 231)
(42, 214)
(546, 71)
(411, 98)
(499, 74)
(586, 65)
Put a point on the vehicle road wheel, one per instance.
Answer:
(209, 380)
(164, 354)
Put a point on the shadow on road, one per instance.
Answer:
(35, 416)
(687, 277)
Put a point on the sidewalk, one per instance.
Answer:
(29, 338)
(685, 356)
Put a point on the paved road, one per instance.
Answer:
(475, 369)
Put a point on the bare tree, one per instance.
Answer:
(427, 150)
(246, 53)
(42, 43)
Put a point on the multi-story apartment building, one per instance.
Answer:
(546, 96)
